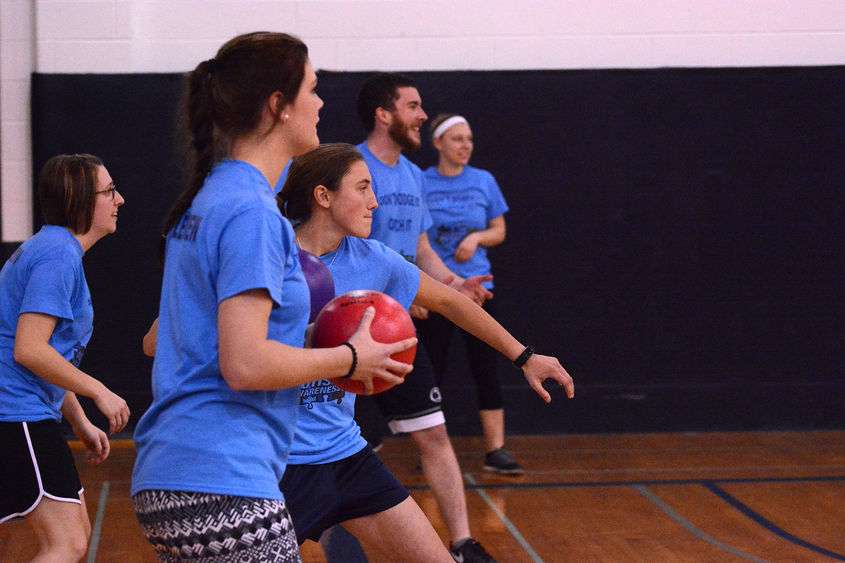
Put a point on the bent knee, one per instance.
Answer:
(62, 529)
(79, 545)
(70, 546)
(436, 436)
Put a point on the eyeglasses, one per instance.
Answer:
(109, 191)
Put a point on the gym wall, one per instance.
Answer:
(155, 36)
(672, 170)
(674, 234)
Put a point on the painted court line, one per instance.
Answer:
(98, 524)
(690, 527)
(508, 524)
(769, 525)
(647, 483)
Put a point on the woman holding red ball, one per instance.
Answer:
(332, 475)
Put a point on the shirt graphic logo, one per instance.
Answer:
(78, 351)
(187, 228)
(320, 392)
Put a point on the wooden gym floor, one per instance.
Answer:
(745, 496)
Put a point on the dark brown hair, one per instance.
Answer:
(324, 166)
(66, 189)
(380, 91)
(223, 101)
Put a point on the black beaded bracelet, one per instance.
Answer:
(354, 360)
(522, 358)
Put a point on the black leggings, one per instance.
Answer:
(436, 334)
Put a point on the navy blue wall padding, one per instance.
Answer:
(675, 235)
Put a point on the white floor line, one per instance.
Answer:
(98, 524)
(697, 532)
(508, 524)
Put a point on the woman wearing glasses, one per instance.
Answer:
(46, 320)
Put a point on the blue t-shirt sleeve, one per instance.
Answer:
(497, 204)
(251, 255)
(50, 288)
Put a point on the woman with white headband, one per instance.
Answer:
(468, 209)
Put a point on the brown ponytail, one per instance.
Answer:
(222, 102)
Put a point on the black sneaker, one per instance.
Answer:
(470, 551)
(500, 461)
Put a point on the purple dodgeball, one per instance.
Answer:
(320, 282)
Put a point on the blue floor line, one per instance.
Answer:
(724, 495)
(826, 479)
(691, 528)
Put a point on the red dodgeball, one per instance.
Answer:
(340, 318)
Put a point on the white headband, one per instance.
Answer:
(443, 127)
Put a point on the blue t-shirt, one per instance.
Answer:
(326, 430)
(199, 435)
(44, 275)
(460, 205)
(281, 182)
(402, 215)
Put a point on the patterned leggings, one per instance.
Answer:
(208, 528)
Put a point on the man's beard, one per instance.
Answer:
(400, 133)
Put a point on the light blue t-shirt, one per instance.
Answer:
(460, 205)
(326, 430)
(44, 275)
(281, 182)
(402, 215)
(199, 435)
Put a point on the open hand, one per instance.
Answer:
(474, 289)
(539, 368)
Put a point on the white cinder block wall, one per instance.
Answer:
(119, 36)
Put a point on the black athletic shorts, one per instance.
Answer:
(321, 496)
(415, 404)
(37, 463)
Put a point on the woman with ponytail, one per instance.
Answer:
(333, 476)
(234, 305)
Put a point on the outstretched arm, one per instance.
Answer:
(250, 361)
(464, 313)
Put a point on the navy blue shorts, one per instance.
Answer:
(321, 496)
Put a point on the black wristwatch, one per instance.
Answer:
(522, 358)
